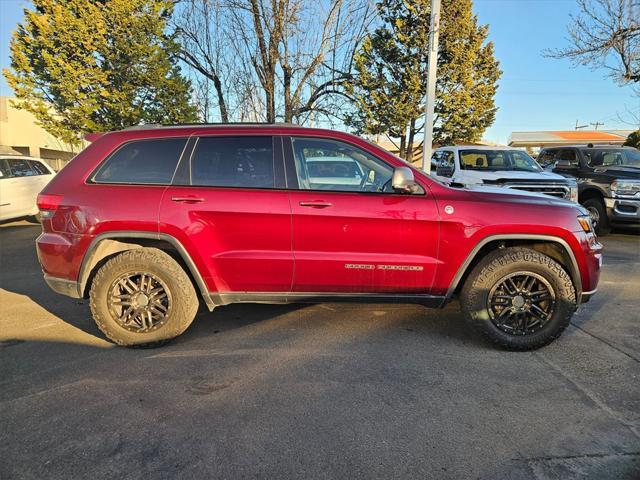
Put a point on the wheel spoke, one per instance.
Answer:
(139, 302)
(514, 287)
(521, 303)
(536, 308)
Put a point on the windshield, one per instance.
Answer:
(480, 159)
(604, 157)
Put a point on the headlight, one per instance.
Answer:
(573, 193)
(585, 223)
(626, 188)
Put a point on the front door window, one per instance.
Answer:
(333, 165)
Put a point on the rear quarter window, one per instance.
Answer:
(150, 162)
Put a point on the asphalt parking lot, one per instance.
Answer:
(317, 391)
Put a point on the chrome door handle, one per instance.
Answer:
(187, 199)
(316, 204)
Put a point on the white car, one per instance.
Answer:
(505, 167)
(21, 180)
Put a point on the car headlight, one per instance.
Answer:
(573, 192)
(626, 188)
(585, 223)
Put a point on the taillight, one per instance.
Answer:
(48, 204)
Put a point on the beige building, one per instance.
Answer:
(19, 134)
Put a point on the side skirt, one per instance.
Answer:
(328, 297)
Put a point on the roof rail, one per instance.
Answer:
(203, 124)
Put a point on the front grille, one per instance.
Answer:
(559, 191)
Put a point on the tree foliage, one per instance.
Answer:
(88, 65)
(388, 83)
(606, 33)
(633, 140)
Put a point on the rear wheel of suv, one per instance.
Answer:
(518, 298)
(142, 297)
(598, 214)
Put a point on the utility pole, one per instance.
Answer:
(597, 124)
(578, 126)
(432, 65)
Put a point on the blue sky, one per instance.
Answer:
(535, 93)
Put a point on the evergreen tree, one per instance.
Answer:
(94, 65)
(389, 78)
(633, 140)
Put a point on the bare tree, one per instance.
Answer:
(606, 33)
(199, 27)
(271, 60)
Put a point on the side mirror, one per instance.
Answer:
(403, 180)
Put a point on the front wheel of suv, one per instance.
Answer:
(598, 215)
(142, 297)
(518, 298)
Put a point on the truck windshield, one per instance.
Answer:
(604, 157)
(480, 159)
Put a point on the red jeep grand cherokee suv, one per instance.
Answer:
(145, 221)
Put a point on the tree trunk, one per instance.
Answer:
(412, 132)
(288, 103)
(403, 146)
(222, 105)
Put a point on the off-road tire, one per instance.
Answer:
(603, 227)
(164, 267)
(474, 298)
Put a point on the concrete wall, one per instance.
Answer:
(19, 131)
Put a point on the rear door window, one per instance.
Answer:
(245, 162)
(150, 162)
(20, 167)
(39, 168)
(569, 155)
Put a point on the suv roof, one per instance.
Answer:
(556, 147)
(479, 147)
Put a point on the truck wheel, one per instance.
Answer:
(598, 214)
(518, 298)
(142, 297)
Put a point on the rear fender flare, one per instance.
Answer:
(99, 249)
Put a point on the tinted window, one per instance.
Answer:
(546, 157)
(144, 162)
(435, 160)
(608, 157)
(4, 168)
(39, 168)
(569, 155)
(233, 162)
(20, 168)
(445, 167)
(332, 165)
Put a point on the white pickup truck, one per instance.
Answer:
(506, 167)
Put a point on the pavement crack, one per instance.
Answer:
(599, 403)
(618, 349)
(574, 457)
